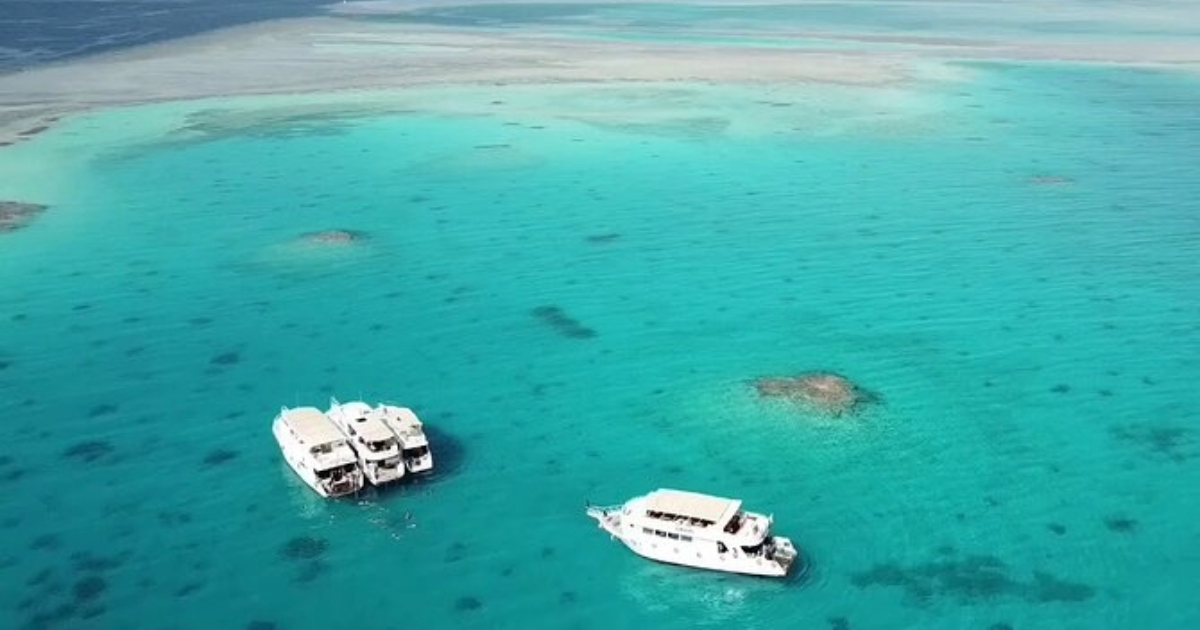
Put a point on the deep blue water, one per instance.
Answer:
(39, 31)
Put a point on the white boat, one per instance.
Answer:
(414, 445)
(314, 447)
(698, 530)
(374, 444)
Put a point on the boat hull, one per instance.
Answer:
(307, 474)
(700, 554)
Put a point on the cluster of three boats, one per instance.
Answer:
(336, 451)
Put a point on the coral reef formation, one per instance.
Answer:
(15, 215)
(825, 392)
(334, 237)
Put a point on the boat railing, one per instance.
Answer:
(602, 511)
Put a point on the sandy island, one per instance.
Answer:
(349, 50)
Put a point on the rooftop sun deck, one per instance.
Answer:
(698, 510)
(312, 426)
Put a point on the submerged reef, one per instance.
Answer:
(971, 580)
(15, 215)
(825, 392)
(562, 323)
(313, 254)
(333, 237)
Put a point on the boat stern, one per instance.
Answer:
(420, 464)
(783, 553)
(341, 482)
(385, 471)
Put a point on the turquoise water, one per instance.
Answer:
(1009, 260)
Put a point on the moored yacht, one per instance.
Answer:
(698, 530)
(374, 444)
(317, 451)
(414, 445)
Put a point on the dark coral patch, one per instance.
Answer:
(1061, 388)
(89, 588)
(15, 215)
(188, 589)
(603, 239)
(1121, 524)
(563, 323)
(102, 410)
(48, 542)
(88, 451)
(304, 548)
(455, 552)
(219, 456)
(310, 571)
(838, 623)
(973, 579)
(226, 358)
(1047, 588)
(259, 624)
(88, 562)
(467, 603)
(1057, 528)
(1175, 443)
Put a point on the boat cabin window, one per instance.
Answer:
(381, 445)
(672, 536)
(416, 451)
(735, 523)
(666, 516)
(322, 449)
(336, 471)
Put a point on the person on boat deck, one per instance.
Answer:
(721, 548)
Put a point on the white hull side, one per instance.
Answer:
(698, 554)
(686, 554)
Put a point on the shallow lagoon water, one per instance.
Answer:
(1007, 259)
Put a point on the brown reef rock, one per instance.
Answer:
(334, 237)
(825, 392)
(15, 215)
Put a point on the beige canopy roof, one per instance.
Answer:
(312, 426)
(692, 505)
